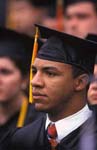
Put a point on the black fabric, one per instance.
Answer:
(65, 48)
(93, 37)
(31, 116)
(33, 137)
(17, 46)
(70, 2)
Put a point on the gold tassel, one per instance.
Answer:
(35, 49)
(23, 113)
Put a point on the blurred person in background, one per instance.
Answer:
(92, 92)
(15, 59)
(81, 17)
(23, 14)
(81, 20)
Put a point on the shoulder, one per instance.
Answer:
(27, 136)
(32, 114)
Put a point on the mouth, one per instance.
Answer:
(38, 96)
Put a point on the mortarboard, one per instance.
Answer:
(70, 2)
(40, 3)
(65, 48)
(93, 37)
(17, 46)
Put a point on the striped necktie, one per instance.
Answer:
(52, 135)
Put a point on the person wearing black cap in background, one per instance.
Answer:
(81, 17)
(15, 58)
(23, 14)
(92, 91)
(61, 73)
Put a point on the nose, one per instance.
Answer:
(37, 80)
(74, 23)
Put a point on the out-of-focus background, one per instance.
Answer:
(21, 15)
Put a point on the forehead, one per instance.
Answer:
(41, 63)
(6, 62)
(82, 7)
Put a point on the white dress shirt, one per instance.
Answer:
(67, 125)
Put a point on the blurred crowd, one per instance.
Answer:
(75, 17)
(23, 14)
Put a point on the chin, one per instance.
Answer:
(4, 100)
(40, 107)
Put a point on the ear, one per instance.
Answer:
(81, 82)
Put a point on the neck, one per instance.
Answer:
(68, 108)
(9, 109)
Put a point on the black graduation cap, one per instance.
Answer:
(65, 48)
(40, 3)
(69, 2)
(16, 45)
(93, 37)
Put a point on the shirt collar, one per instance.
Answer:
(67, 125)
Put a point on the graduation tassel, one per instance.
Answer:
(35, 48)
(60, 15)
(23, 113)
(24, 106)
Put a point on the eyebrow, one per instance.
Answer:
(47, 68)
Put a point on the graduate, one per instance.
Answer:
(61, 74)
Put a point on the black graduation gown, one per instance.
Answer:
(31, 116)
(33, 137)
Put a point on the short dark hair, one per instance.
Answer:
(77, 71)
(95, 7)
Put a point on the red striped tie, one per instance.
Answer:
(52, 135)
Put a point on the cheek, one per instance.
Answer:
(88, 25)
(13, 84)
(56, 90)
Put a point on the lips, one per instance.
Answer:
(38, 96)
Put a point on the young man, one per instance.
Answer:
(81, 17)
(61, 74)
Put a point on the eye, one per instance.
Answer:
(67, 17)
(51, 74)
(5, 71)
(34, 71)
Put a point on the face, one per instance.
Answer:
(81, 19)
(10, 80)
(92, 92)
(22, 16)
(53, 85)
